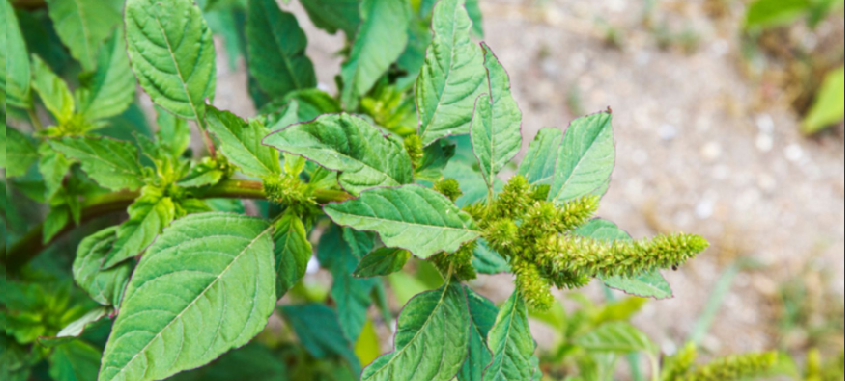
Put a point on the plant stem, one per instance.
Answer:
(31, 244)
(211, 147)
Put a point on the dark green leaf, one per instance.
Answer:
(483, 314)
(253, 362)
(487, 261)
(539, 164)
(105, 286)
(110, 90)
(19, 152)
(83, 25)
(292, 252)
(332, 15)
(434, 160)
(318, 330)
(74, 361)
(74, 330)
(511, 343)
(383, 261)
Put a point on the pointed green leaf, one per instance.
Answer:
(539, 164)
(148, 217)
(106, 286)
(618, 337)
(829, 106)
(483, 313)
(383, 261)
(113, 164)
(496, 122)
(319, 331)
(206, 286)
(15, 60)
(434, 160)
(276, 47)
(57, 218)
(73, 331)
(511, 343)
(333, 15)
(206, 172)
(586, 158)
(83, 25)
(431, 339)
(241, 143)
(487, 261)
(110, 90)
(768, 13)
(347, 144)
(74, 361)
(410, 217)
(172, 54)
(452, 77)
(52, 90)
(53, 166)
(173, 135)
(20, 153)
(292, 252)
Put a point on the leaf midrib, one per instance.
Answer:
(177, 66)
(578, 164)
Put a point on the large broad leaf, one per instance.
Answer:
(618, 337)
(105, 286)
(348, 144)
(496, 122)
(241, 142)
(149, 215)
(383, 261)
(253, 362)
(382, 36)
(52, 90)
(539, 164)
(431, 340)
(20, 152)
(276, 47)
(586, 158)
(333, 15)
(292, 252)
(410, 217)
(15, 60)
(172, 53)
(205, 287)
(829, 107)
(83, 25)
(319, 331)
(109, 91)
(111, 163)
(452, 77)
(74, 361)
(483, 315)
(511, 343)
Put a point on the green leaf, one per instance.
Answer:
(253, 362)
(57, 218)
(241, 143)
(619, 337)
(496, 121)
(15, 361)
(208, 171)
(347, 144)
(452, 77)
(292, 252)
(434, 160)
(276, 47)
(483, 315)
(20, 154)
(74, 330)
(15, 60)
(172, 54)
(74, 361)
(149, 215)
(106, 286)
(83, 25)
(110, 90)
(111, 163)
(333, 15)
(52, 90)
(511, 342)
(769, 13)
(471, 181)
(319, 331)
(53, 166)
(383, 261)
(829, 106)
(431, 340)
(368, 346)
(381, 38)
(206, 286)
(539, 164)
(586, 158)
(487, 261)
(173, 135)
(475, 13)
(410, 217)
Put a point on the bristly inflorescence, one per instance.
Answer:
(733, 368)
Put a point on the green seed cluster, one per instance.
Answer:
(461, 262)
(414, 148)
(288, 190)
(733, 368)
(678, 366)
(449, 188)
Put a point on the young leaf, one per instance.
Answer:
(333, 15)
(15, 60)
(511, 342)
(172, 54)
(452, 77)
(206, 172)
(20, 153)
(114, 164)
(241, 143)
(383, 261)
(348, 144)
(292, 252)
(483, 314)
(276, 47)
(57, 218)
(586, 158)
(618, 337)
(52, 90)
(368, 346)
(409, 217)
(539, 164)
(76, 329)
(110, 90)
(829, 107)
(73, 361)
(83, 25)
(173, 135)
(496, 121)
(205, 287)
(105, 286)
(148, 217)
(318, 330)
(431, 338)
(381, 38)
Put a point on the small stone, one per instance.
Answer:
(710, 151)
(705, 209)
(667, 132)
(793, 153)
(764, 123)
(764, 142)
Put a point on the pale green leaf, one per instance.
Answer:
(110, 90)
(496, 121)
(319, 331)
(347, 144)
(409, 217)
(241, 143)
(383, 261)
(106, 286)
(472, 182)
(52, 90)
(172, 54)
(769, 13)
(113, 164)
(292, 252)
(73, 331)
(20, 153)
(483, 315)
(539, 164)
(276, 47)
(148, 217)
(206, 172)
(287, 118)
(586, 158)
(829, 106)
(452, 77)
(487, 261)
(511, 343)
(431, 339)
(368, 346)
(206, 286)
(618, 337)
(173, 135)
(83, 25)
(74, 361)
(15, 60)
(333, 15)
